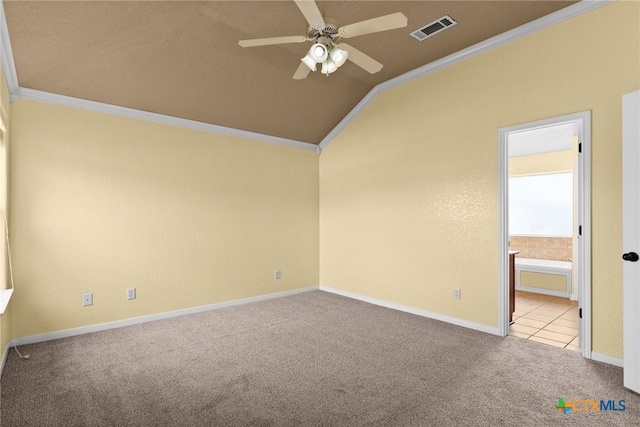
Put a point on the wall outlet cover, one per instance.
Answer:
(87, 299)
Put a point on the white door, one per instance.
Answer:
(631, 237)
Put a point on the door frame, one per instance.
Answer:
(582, 217)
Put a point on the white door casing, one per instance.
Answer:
(582, 221)
(631, 237)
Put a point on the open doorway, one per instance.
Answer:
(545, 226)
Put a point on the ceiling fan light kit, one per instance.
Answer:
(309, 62)
(324, 33)
(319, 52)
(331, 58)
(338, 56)
(328, 67)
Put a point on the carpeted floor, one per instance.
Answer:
(309, 359)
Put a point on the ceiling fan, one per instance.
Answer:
(324, 33)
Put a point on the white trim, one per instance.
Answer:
(605, 358)
(531, 27)
(8, 65)
(352, 114)
(17, 92)
(68, 101)
(5, 355)
(144, 319)
(550, 266)
(407, 309)
(554, 18)
(6, 55)
(503, 235)
(583, 268)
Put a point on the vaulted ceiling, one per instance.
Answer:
(182, 58)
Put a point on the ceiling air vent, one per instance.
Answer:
(433, 28)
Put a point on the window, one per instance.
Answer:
(541, 205)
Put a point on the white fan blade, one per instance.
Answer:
(272, 40)
(312, 14)
(302, 72)
(361, 59)
(382, 23)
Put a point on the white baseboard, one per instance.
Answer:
(424, 313)
(605, 358)
(4, 358)
(611, 360)
(143, 319)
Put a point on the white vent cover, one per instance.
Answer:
(434, 28)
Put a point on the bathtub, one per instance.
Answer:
(543, 276)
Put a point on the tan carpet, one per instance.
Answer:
(309, 359)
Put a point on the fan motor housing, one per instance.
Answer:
(327, 34)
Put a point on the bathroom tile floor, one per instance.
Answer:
(546, 319)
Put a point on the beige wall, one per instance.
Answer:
(100, 203)
(408, 194)
(409, 190)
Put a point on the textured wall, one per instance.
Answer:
(409, 190)
(101, 203)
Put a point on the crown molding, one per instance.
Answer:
(17, 92)
(68, 101)
(350, 116)
(6, 55)
(554, 18)
(8, 65)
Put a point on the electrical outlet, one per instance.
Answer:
(87, 299)
(456, 293)
(277, 275)
(131, 293)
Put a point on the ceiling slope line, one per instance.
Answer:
(554, 18)
(350, 116)
(8, 65)
(69, 101)
(17, 92)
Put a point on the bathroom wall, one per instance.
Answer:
(553, 248)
